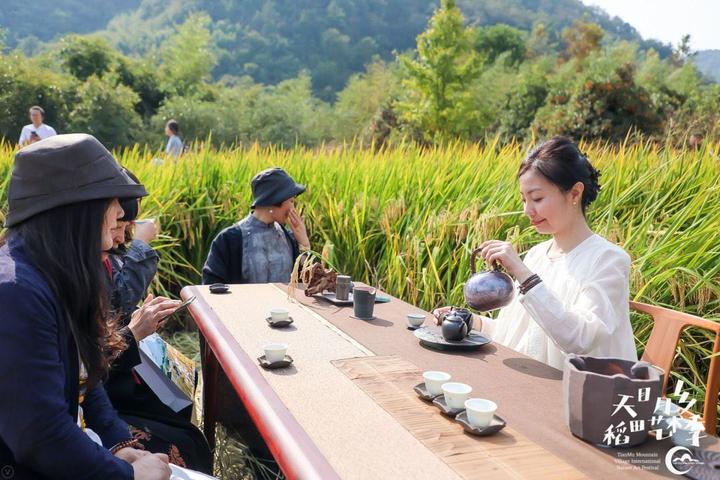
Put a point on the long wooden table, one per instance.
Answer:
(346, 409)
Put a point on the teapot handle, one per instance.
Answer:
(473, 259)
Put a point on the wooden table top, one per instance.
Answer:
(361, 432)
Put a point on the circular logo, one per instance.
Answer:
(7, 472)
(683, 463)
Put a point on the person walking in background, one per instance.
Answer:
(37, 130)
(174, 145)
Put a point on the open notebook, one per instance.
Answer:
(169, 373)
(179, 473)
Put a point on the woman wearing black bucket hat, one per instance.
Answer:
(56, 335)
(260, 248)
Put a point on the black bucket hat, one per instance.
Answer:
(273, 186)
(131, 206)
(61, 170)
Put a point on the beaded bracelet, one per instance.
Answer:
(529, 283)
(124, 444)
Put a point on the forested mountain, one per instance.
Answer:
(708, 62)
(26, 23)
(273, 40)
(290, 72)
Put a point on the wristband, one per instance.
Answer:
(529, 283)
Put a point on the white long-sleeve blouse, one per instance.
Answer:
(581, 306)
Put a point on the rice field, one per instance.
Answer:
(406, 218)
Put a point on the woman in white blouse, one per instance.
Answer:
(575, 286)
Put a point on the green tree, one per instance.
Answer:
(188, 56)
(106, 110)
(582, 38)
(527, 96)
(85, 56)
(682, 52)
(144, 80)
(287, 114)
(365, 95)
(498, 39)
(438, 104)
(600, 108)
(538, 44)
(23, 83)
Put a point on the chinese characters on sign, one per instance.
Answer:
(663, 423)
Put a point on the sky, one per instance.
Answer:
(669, 20)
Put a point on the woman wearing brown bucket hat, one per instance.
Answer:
(56, 333)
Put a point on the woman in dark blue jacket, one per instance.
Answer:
(56, 335)
(260, 248)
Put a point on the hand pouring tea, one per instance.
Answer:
(488, 290)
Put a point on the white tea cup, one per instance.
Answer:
(279, 314)
(686, 432)
(275, 352)
(480, 412)
(415, 319)
(434, 381)
(665, 408)
(456, 394)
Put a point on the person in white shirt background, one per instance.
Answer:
(174, 145)
(37, 130)
(574, 287)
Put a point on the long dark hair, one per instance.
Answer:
(561, 162)
(65, 244)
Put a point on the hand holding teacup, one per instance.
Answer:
(146, 230)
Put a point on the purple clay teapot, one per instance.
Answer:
(456, 324)
(488, 290)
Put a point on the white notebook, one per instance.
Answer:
(179, 473)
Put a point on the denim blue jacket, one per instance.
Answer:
(132, 273)
(39, 386)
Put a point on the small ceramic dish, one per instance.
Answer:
(423, 393)
(496, 424)
(279, 323)
(363, 318)
(219, 288)
(330, 296)
(285, 362)
(439, 402)
(706, 464)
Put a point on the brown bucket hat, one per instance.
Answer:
(61, 170)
